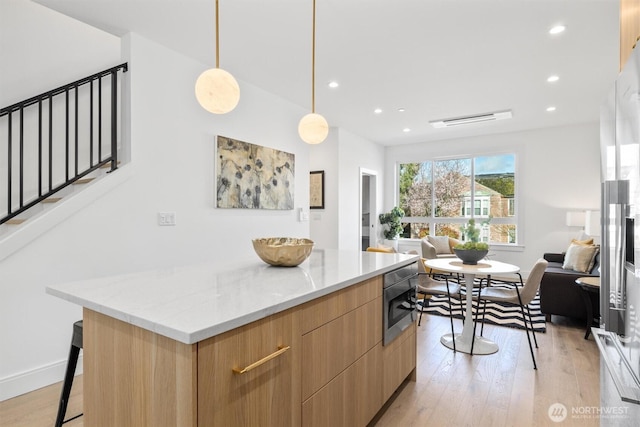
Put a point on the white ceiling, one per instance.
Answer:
(437, 59)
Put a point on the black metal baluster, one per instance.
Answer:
(76, 134)
(66, 136)
(9, 162)
(50, 142)
(21, 149)
(114, 120)
(91, 124)
(100, 119)
(40, 148)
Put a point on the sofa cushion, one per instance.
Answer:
(580, 257)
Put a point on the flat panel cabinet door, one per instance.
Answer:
(268, 392)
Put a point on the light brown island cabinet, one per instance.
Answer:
(321, 363)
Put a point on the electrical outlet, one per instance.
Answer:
(166, 218)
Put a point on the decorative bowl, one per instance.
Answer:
(283, 251)
(470, 256)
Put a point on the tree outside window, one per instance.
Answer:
(441, 195)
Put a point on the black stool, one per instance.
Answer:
(76, 345)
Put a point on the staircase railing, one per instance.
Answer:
(54, 139)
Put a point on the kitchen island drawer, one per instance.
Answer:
(323, 310)
(251, 375)
(331, 348)
(352, 398)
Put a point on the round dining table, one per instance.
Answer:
(483, 268)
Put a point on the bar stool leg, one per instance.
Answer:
(76, 345)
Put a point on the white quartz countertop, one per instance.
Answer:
(195, 302)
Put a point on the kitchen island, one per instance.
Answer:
(241, 343)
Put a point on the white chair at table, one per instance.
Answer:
(520, 295)
(427, 285)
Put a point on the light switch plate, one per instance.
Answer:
(166, 218)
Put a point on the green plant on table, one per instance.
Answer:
(472, 236)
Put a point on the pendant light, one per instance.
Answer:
(313, 128)
(216, 89)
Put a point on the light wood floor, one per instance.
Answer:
(501, 389)
(451, 389)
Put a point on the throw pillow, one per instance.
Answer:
(385, 249)
(441, 243)
(580, 257)
(583, 242)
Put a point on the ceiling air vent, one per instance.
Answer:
(477, 118)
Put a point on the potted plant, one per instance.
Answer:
(472, 250)
(393, 227)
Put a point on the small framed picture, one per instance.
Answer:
(316, 190)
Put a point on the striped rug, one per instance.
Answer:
(497, 313)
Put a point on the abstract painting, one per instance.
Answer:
(250, 176)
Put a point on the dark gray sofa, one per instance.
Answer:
(559, 293)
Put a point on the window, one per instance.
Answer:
(438, 196)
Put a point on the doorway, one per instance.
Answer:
(368, 209)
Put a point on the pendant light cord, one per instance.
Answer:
(313, 61)
(218, 38)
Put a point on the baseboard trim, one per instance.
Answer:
(34, 379)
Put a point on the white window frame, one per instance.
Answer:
(509, 219)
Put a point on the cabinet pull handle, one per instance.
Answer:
(281, 349)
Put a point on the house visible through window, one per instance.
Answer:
(439, 196)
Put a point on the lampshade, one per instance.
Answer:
(592, 223)
(575, 219)
(217, 90)
(313, 128)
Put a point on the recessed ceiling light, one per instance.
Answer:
(405, 130)
(333, 84)
(551, 108)
(378, 110)
(400, 110)
(553, 79)
(557, 29)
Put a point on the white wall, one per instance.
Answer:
(42, 49)
(558, 169)
(355, 153)
(324, 222)
(341, 156)
(172, 149)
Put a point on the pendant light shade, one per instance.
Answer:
(313, 128)
(217, 90)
